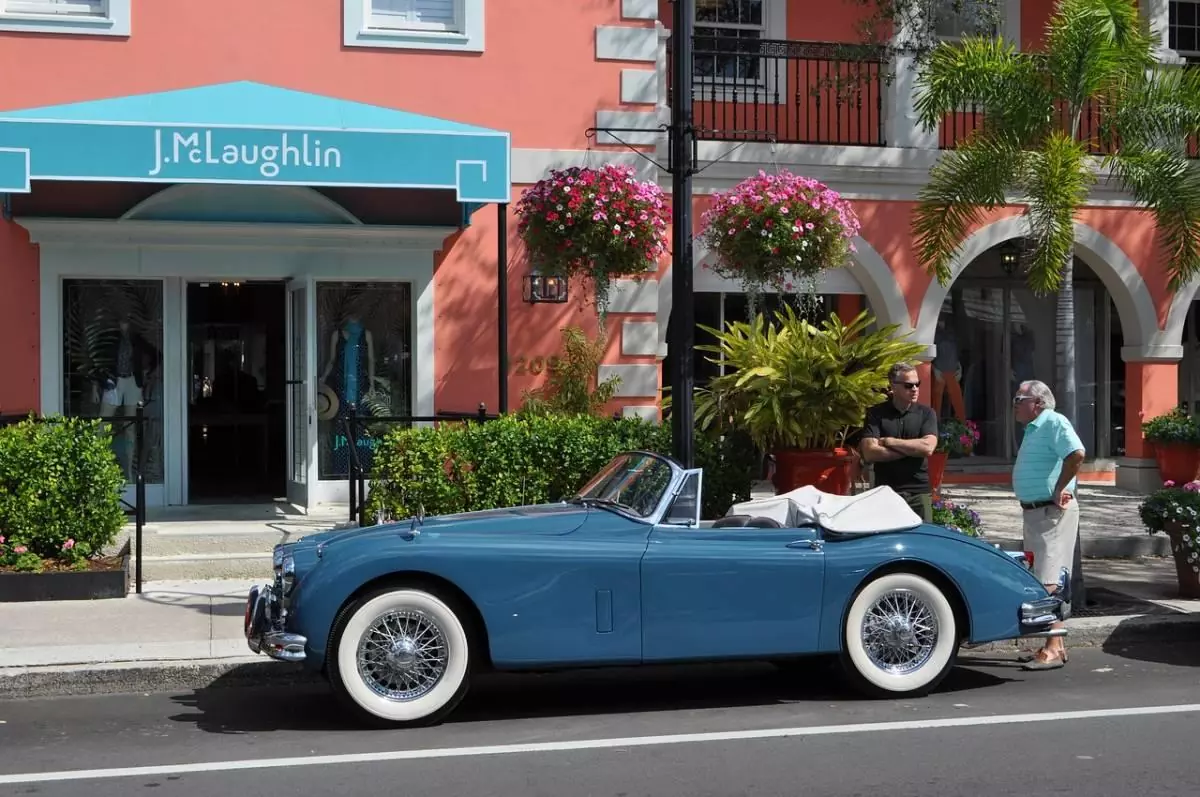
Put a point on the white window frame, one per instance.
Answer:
(774, 26)
(115, 21)
(1189, 55)
(361, 30)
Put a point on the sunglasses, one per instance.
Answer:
(909, 385)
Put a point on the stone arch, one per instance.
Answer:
(1135, 306)
(866, 266)
(260, 204)
(1181, 302)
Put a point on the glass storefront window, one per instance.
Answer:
(364, 366)
(989, 339)
(112, 359)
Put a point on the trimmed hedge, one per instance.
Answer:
(60, 491)
(527, 459)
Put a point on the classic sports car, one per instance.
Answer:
(399, 617)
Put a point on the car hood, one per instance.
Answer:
(539, 519)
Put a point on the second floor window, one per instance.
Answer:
(958, 18)
(432, 15)
(57, 8)
(725, 29)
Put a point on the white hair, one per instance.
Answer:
(1040, 391)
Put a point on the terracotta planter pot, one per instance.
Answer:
(937, 469)
(1177, 462)
(1187, 572)
(829, 471)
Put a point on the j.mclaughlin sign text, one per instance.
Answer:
(278, 153)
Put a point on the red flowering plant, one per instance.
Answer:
(597, 223)
(957, 438)
(771, 230)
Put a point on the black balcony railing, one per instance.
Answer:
(791, 92)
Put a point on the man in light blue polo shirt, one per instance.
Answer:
(1044, 482)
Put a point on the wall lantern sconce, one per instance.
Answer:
(1010, 254)
(544, 289)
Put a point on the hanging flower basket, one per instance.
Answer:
(774, 230)
(596, 223)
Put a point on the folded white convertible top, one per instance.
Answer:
(870, 512)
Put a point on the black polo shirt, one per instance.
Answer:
(884, 420)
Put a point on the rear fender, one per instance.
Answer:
(990, 585)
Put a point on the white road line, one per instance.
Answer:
(588, 744)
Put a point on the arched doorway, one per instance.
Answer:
(993, 332)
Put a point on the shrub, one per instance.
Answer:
(1175, 426)
(574, 387)
(60, 491)
(531, 459)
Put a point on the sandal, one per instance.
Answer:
(1026, 657)
(1047, 663)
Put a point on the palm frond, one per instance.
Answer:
(1056, 181)
(963, 184)
(987, 72)
(1169, 186)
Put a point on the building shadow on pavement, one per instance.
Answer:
(1133, 639)
(311, 706)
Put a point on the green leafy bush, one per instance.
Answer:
(532, 459)
(1175, 426)
(60, 491)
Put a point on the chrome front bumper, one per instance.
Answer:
(1037, 616)
(263, 626)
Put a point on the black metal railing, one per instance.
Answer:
(118, 425)
(789, 92)
(357, 425)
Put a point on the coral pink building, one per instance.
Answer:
(251, 215)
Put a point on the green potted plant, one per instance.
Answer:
(1175, 437)
(1175, 511)
(798, 389)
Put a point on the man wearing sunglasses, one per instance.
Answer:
(1044, 482)
(897, 438)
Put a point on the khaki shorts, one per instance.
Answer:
(1050, 534)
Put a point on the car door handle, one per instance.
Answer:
(815, 545)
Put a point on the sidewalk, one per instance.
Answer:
(188, 634)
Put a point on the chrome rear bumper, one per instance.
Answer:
(263, 626)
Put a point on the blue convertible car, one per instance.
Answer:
(399, 617)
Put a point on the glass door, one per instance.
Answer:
(301, 402)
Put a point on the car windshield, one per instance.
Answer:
(631, 483)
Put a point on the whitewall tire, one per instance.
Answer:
(900, 637)
(400, 656)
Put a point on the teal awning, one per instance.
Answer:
(251, 133)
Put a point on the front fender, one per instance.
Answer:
(336, 577)
(992, 585)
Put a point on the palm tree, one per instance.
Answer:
(1098, 60)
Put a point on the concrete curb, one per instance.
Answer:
(109, 678)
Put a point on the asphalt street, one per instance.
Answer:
(1114, 722)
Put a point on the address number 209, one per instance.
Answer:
(536, 365)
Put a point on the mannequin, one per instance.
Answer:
(123, 386)
(946, 366)
(355, 368)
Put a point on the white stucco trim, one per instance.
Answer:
(1135, 306)
(867, 267)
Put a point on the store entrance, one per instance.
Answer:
(236, 417)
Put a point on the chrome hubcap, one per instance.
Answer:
(402, 655)
(899, 632)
